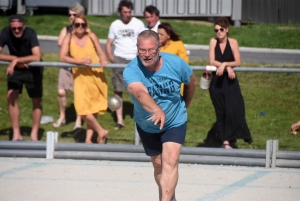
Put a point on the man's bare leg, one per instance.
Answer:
(119, 112)
(36, 118)
(14, 113)
(169, 173)
(156, 162)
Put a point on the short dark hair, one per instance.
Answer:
(170, 31)
(16, 18)
(151, 9)
(126, 3)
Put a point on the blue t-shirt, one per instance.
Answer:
(164, 87)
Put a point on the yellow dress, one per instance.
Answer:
(90, 86)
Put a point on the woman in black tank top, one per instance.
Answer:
(224, 90)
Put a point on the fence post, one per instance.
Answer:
(55, 138)
(50, 145)
(268, 153)
(274, 152)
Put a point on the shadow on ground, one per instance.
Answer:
(212, 140)
(25, 131)
(71, 114)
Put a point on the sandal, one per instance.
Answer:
(226, 146)
(76, 126)
(59, 123)
(118, 126)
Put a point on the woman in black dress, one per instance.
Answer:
(224, 90)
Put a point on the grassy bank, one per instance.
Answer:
(272, 93)
(192, 32)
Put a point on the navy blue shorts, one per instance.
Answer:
(31, 78)
(152, 142)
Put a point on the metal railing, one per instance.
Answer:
(239, 69)
(51, 149)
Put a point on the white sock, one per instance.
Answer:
(174, 199)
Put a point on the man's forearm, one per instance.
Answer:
(6, 57)
(28, 59)
(147, 102)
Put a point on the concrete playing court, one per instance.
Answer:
(27, 179)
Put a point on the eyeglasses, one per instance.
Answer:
(72, 15)
(151, 51)
(221, 30)
(83, 25)
(16, 28)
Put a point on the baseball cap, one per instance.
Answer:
(16, 18)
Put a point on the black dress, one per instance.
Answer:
(228, 102)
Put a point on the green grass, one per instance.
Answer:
(192, 32)
(273, 93)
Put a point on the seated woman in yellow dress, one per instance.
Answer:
(170, 42)
(90, 86)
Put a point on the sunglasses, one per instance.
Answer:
(16, 28)
(72, 15)
(221, 30)
(83, 25)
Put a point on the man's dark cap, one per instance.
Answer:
(16, 18)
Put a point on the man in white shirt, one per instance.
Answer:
(123, 33)
(151, 14)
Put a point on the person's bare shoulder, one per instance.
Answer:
(92, 34)
(233, 41)
(213, 41)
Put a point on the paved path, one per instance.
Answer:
(76, 180)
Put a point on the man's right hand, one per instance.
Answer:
(11, 67)
(158, 118)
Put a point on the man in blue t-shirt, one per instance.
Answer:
(23, 48)
(153, 80)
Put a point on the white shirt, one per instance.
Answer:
(125, 37)
(155, 27)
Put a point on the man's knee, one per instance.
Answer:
(12, 96)
(37, 102)
(171, 153)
